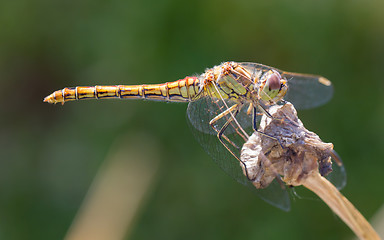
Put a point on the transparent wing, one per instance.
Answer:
(304, 90)
(307, 91)
(199, 114)
(338, 176)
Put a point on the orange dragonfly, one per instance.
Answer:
(225, 105)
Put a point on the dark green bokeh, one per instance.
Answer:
(50, 154)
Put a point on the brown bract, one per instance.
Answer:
(286, 149)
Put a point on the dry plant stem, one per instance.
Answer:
(340, 205)
(288, 150)
(113, 202)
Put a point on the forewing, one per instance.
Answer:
(307, 91)
(304, 90)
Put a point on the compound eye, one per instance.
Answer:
(273, 81)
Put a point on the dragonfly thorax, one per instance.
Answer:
(231, 80)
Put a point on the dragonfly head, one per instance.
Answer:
(273, 87)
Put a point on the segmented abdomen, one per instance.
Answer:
(183, 90)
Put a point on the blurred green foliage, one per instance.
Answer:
(50, 154)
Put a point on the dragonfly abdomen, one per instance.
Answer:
(183, 90)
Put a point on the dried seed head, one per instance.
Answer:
(286, 149)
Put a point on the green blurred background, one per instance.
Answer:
(50, 154)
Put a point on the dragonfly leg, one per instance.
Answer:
(254, 123)
(232, 120)
(220, 116)
(232, 111)
(254, 119)
(221, 136)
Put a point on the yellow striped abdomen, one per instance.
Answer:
(183, 90)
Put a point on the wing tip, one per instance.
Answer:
(325, 81)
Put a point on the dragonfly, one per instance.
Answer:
(226, 103)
